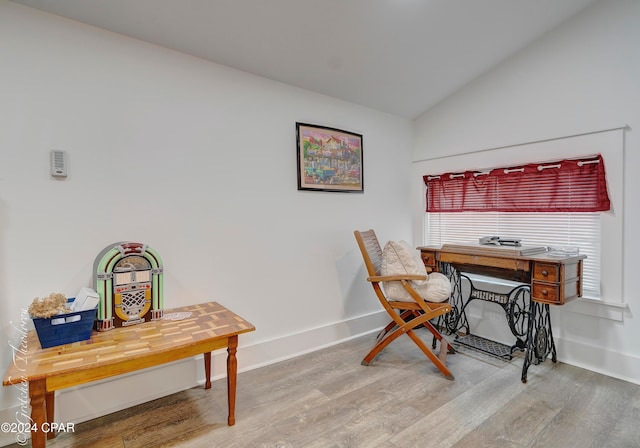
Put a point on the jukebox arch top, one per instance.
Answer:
(129, 283)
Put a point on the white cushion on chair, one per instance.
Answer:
(397, 259)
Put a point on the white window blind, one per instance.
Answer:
(580, 230)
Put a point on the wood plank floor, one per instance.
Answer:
(327, 399)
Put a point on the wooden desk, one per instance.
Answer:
(209, 327)
(545, 280)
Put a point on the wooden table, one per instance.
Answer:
(545, 280)
(553, 280)
(210, 326)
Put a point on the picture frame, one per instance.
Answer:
(329, 159)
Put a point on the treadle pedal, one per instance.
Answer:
(484, 345)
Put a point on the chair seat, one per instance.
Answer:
(415, 306)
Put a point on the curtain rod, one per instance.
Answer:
(626, 126)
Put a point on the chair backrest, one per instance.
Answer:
(371, 251)
(372, 254)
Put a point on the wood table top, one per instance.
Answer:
(206, 328)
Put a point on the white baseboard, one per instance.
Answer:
(100, 398)
(491, 323)
(605, 361)
(89, 401)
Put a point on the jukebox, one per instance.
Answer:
(129, 283)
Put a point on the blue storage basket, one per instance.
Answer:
(65, 328)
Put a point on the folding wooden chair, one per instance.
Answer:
(406, 316)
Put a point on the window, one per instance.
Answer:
(534, 229)
(606, 226)
(543, 204)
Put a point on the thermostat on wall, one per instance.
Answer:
(58, 163)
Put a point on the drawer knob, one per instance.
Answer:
(544, 292)
(545, 272)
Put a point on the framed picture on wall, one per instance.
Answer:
(329, 159)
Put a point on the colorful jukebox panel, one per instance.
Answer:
(129, 282)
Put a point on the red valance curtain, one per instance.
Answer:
(578, 185)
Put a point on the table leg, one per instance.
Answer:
(207, 370)
(554, 355)
(456, 320)
(540, 341)
(49, 402)
(528, 353)
(37, 393)
(232, 372)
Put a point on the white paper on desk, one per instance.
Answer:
(90, 303)
(86, 299)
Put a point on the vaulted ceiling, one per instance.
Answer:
(396, 56)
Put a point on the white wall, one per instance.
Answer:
(198, 161)
(580, 78)
(207, 156)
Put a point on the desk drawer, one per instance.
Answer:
(429, 260)
(543, 292)
(555, 294)
(548, 272)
